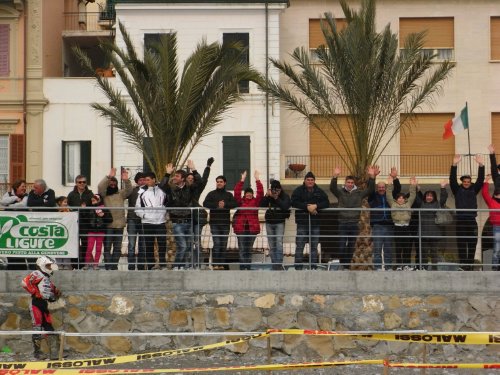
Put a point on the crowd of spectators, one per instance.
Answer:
(394, 226)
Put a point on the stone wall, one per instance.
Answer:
(200, 301)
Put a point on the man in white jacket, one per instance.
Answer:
(151, 208)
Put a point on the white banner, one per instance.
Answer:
(26, 234)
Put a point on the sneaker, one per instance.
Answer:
(176, 268)
(408, 268)
(399, 269)
(85, 268)
(96, 268)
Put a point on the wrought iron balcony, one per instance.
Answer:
(93, 22)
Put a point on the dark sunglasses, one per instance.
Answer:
(81, 182)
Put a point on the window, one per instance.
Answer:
(495, 128)
(244, 39)
(152, 41)
(4, 158)
(76, 158)
(148, 149)
(235, 159)
(495, 38)
(440, 37)
(316, 37)
(435, 157)
(4, 50)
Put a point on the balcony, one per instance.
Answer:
(89, 23)
(432, 167)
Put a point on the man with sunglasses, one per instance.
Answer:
(81, 196)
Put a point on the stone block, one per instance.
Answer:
(225, 300)
(199, 320)
(265, 302)
(306, 320)
(178, 318)
(221, 317)
(247, 318)
(283, 319)
(121, 305)
(117, 345)
(392, 320)
(323, 345)
(12, 322)
(372, 303)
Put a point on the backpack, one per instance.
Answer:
(30, 282)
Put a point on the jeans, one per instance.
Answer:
(348, 231)
(466, 227)
(113, 248)
(134, 231)
(220, 234)
(152, 232)
(382, 241)
(275, 232)
(305, 235)
(403, 245)
(496, 250)
(183, 240)
(245, 245)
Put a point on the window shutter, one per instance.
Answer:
(148, 149)
(235, 159)
(4, 50)
(17, 170)
(495, 38)
(316, 37)
(440, 31)
(63, 163)
(86, 159)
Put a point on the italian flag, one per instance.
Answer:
(456, 125)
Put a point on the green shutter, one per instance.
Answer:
(63, 163)
(236, 159)
(86, 159)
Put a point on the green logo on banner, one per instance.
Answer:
(21, 234)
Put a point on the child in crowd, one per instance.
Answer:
(98, 219)
(246, 224)
(62, 206)
(401, 216)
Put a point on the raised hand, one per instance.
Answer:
(491, 148)
(479, 159)
(444, 183)
(336, 172)
(456, 159)
(373, 170)
(210, 161)
(487, 179)
(124, 174)
(256, 175)
(169, 168)
(244, 176)
(394, 172)
(413, 181)
(112, 172)
(191, 165)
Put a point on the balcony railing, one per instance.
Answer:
(89, 21)
(408, 165)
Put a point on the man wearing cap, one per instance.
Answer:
(465, 198)
(278, 210)
(114, 198)
(134, 227)
(350, 196)
(308, 199)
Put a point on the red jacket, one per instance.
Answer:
(493, 204)
(250, 216)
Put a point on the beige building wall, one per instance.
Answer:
(476, 79)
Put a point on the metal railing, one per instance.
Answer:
(89, 21)
(426, 250)
(408, 165)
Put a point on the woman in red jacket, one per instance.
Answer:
(494, 204)
(246, 222)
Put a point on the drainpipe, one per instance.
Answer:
(25, 85)
(267, 94)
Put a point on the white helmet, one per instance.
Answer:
(44, 261)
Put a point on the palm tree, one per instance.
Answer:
(360, 73)
(173, 113)
(361, 76)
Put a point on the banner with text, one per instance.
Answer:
(31, 234)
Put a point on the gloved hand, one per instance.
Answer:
(210, 161)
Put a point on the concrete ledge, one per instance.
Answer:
(334, 282)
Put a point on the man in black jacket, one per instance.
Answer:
(308, 199)
(81, 196)
(220, 202)
(465, 198)
(278, 204)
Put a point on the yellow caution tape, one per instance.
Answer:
(185, 370)
(445, 365)
(103, 361)
(466, 338)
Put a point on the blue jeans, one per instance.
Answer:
(496, 250)
(134, 231)
(304, 235)
(113, 242)
(220, 234)
(275, 232)
(245, 245)
(150, 232)
(183, 240)
(383, 237)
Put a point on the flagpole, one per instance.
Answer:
(468, 139)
